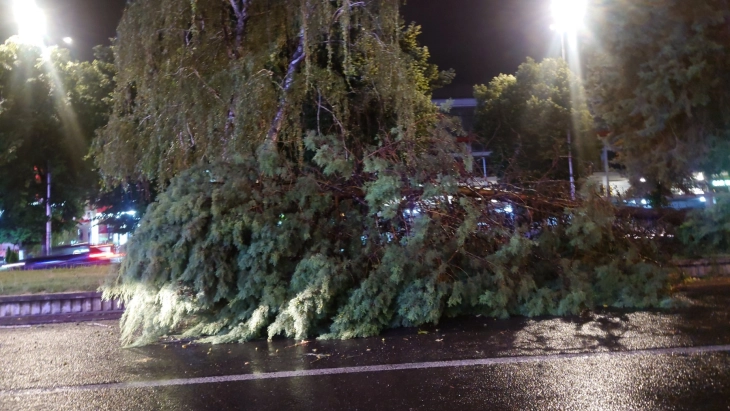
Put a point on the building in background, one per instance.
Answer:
(465, 110)
(93, 231)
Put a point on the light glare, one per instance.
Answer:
(568, 15)
(31, 22)
(68, 40)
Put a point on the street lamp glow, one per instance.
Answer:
(31, 22)
(68, 40)
(568, 15)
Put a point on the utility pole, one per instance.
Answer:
(48, 209)
(605, 168)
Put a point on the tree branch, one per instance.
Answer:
(273, 135)
(240, 9)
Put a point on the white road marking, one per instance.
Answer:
(363, 369)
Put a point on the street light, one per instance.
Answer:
(31, 22)
(568, 18)
(568, 15)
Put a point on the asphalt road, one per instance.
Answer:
(676, 360)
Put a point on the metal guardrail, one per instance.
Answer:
(53, 308)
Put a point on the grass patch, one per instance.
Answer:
(17, 282)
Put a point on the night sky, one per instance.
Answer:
(482, 38)
(478, 38)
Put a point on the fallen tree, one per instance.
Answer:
(310, 188)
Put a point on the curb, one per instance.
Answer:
(57, 308)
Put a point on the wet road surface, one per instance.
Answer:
(674, 360)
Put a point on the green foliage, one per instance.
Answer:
(228, 254)
(707, 231)
(49, 110)
(310, 188)
(660, 84)
(524, 120)
(427, 75)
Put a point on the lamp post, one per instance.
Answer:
(568, 18)
(570, 139)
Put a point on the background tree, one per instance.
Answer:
(90, 86)
(523, 119)
(34, 137)
(50, 108)
(660, 81)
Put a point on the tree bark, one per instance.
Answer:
(273, 136)
(240, 9)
